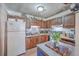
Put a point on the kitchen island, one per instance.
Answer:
(43, 50)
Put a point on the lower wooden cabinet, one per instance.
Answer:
(44, 38)
(27, 42)
(33, 41)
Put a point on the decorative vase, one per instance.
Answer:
(56, 44)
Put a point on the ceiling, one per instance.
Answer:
(31, 8)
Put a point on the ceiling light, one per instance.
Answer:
(40, 8)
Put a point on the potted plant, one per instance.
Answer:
(56, 38)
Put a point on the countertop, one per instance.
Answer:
(37, 34)
(50, 52)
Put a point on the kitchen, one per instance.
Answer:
(37, 27)
(46, 29)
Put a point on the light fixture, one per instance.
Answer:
(40, 8)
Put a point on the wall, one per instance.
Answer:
(60, 14)
(77, 34)
(14, 13)
(3, 18)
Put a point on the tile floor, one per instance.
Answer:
(31, 52)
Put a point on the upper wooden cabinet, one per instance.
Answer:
(48, 23)
(69, 21)
(56, 21)
(30, 23)
(40, 23)
(43, 24)
(33, 22)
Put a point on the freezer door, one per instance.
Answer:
(21, 26)
(12, 26)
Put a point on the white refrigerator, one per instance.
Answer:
(15, 38)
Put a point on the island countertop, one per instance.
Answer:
(50, 52)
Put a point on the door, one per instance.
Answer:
(27, 42)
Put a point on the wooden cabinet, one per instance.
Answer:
(43, 24)
(31, 42)
(27, 42)
(69, 21)
(56, 21)
(39, 39)
(52, 22)
(49, 23)
(44, 38)
(30, 23)
(40, 23)
(33, 22)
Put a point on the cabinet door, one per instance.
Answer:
(69, 21)
(27, 41)
(52, 22)
(47, 23)
(38, 23)
(42, 26)
(42, 38)
(46, 38)
(39, 39)
(33, 41)
(33, 22)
